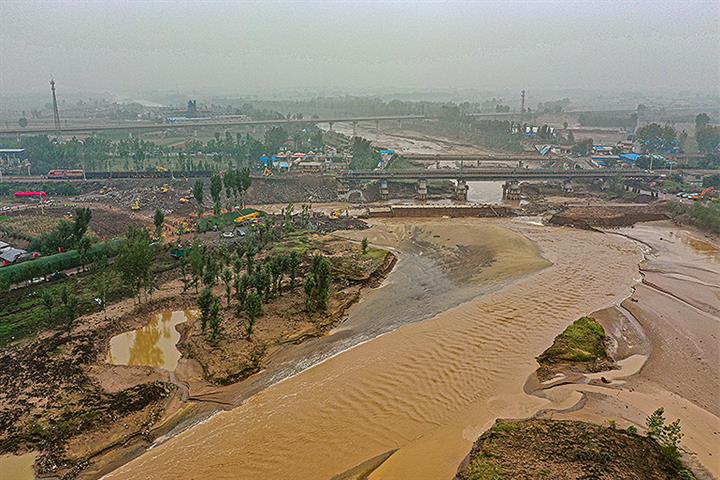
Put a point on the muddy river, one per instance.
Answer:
(490, 300)
(152, 345)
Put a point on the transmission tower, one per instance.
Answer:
(56, 114)
(522, 101)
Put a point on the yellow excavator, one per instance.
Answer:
(165, 188)
(136, 204)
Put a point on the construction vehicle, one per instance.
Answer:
(136, 204)
(707, 192)
(247, 218)
(160, 168)
(184, 200)
(165, 188)
(267, 172)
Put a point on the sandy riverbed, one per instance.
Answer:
(677, 310)
(427, 389)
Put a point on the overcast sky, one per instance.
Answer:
(243, 47)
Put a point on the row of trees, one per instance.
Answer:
(102, 154)
(234, 182)
(248, 283)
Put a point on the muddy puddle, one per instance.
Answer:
(426, 388)
(17, 467)
(702, 247)
(153, 345)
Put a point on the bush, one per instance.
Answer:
(705, 215)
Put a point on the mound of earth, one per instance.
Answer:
(565, 450)
(609, 215)
(579, 348)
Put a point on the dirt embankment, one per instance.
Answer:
(588, 217)
(564, 450)
(60, 397)
(237, 355)
(52, 401)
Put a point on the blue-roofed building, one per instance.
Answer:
(265, 160)
(629, 157)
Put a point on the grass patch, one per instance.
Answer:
(293, 242)
(375, 253)
(481, 469)
(583, 341)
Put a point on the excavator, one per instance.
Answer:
(136, 204)
(165, 188)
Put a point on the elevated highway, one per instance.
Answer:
(146, 127)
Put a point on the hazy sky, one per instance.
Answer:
(242, 47)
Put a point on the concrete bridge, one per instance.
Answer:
(146, 127)
(512, 177)
(493, 174)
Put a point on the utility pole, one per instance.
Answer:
(56, 114)
(522, 101)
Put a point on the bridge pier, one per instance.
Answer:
(384, 191)
(511, 190)
(342, 190)
(354, 125)
(422, 188)
(330, 126)
(377, 128)
(461, 190)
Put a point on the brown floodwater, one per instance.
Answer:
(17, 467)
(152, 345)
(427, 388)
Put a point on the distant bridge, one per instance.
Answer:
(197, 124)
(493, 174)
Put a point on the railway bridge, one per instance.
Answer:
(512, 177)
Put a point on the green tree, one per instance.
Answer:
(48, 302)
(317, 284)
(101, 288)
(364, 245)
(135, 261)
(81, 223)
(243, 183)
(667, 436)
(199, 194)
(293, 262)
(215, 191)
(83, 249)
(159, 220)
(205, 303)
(214, 319)
(227, 278)
(253, 308)
(275, 138)
(702, 120)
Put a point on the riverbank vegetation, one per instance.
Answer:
(704, 215)
(580, 347)
(565, 450)
(281, 284)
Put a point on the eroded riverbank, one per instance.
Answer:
(426, 388)
(671, 325)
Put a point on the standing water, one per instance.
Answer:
(152, 345)
(484, 192)
(18, 467)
